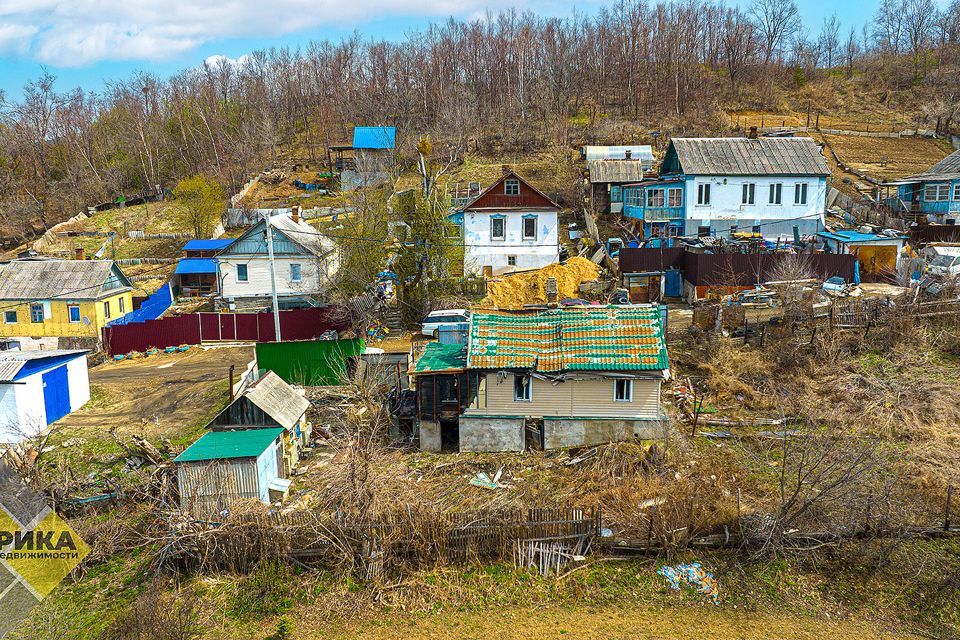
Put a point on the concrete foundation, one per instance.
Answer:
(491, 434)
(430, 436)
(583, 432)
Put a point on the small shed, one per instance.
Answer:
(225, 466)
(196, 272)
(270, 402)
(878, 254)
(37, 388)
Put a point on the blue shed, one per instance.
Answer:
(37, 388)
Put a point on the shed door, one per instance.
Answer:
(56, 393)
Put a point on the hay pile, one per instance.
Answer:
(515, 291)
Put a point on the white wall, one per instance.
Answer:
(481, 250)
(314, 278)
(726, 207)
(78, 382)
(22, 414)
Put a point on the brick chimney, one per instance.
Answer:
(80, 253)
(551, 289)
(295, 213)
(753, 133)
(627, 154)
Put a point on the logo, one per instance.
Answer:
(37, 549)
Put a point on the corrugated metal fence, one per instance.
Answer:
(295, 324)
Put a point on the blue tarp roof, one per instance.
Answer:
(196, 265)
(374, 137)
(852, 235)
(207, 245)
(151, 309)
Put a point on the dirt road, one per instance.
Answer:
(165, 394)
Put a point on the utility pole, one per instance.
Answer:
(273, 276)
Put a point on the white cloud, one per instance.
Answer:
(74, 33)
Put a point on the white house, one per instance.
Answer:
(510, 226)
(708, 186)
(305, 261)
(38, 388)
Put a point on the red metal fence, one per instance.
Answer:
(172, 331)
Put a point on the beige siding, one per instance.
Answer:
(581, 398)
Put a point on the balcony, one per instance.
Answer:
(653, 214)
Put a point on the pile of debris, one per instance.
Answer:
(529, 288)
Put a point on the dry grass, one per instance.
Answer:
(887, 158)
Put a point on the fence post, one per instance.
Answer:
(946, 512)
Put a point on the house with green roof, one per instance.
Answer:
(566, 377)
(223, 467)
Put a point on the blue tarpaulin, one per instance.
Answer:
(151, 309)
(196, 265)
(214, 244)
(374, 137)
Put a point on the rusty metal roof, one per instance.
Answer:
(611, 338)
(616, 170)
(748, 157)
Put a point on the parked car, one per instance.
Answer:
(436, 319)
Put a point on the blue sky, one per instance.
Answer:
(87, 43)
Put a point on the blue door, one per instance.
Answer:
(674, 288)
(56, 393)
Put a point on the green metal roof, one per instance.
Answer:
(612, 338)
(441, 357)
(224, 445)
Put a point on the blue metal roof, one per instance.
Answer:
(16, 365)
(852, 236)
(213, 244)
(196, 265)
(374, 137)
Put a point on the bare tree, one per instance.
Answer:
(830, 39)
(777, 21)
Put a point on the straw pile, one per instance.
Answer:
(515, 291)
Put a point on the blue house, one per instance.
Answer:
(935, 193)
(774, 187)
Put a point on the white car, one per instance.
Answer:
(436, 319)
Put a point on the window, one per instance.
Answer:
(511, 187)
(511, 261)
(749, 193)
(623, 390)
(123, 306)
(936, 192)
(616, 193)
(675, 197)
(956, 191)
(10, 317)
(73, 311)
(654, 197)
(703, 194)
(776, 193)
(36, 313)
(241, 273)
(631, 197)
(497, 228)
(521, 389)
(530, 228)
(296, 274)
(703, 232)
(800, 193)
(106, 309)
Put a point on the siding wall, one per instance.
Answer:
(574, 398)
(481, 250)
(57, 319)
(209, 486)
(315, 276)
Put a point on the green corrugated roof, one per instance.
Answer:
(611, 338)
(441, 357)
(224, 445)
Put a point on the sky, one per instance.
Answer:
(87, 43)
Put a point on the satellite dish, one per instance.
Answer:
(86, 321)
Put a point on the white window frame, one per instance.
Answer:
(748, 195)
(511, 261)
(33, 318)
(703, 194)
(956, 192)
(776, 193)
(656, 198)
(936, 192)
(122, 304)
(71, 307)
(800, 193)
(6, 316)
(106, 309)
(674, 191)
(511, 187)
(628, 387)
(298, 277)
(246, 273)
(529, 387)
(523, 227)
(503, 234)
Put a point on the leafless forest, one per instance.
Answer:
(510, 82)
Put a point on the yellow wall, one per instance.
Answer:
(58, 324)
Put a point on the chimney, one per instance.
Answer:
(295, 213)
(80, 253)
(753, 133)
(505, 168)
(551, 288)
(627, 154)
